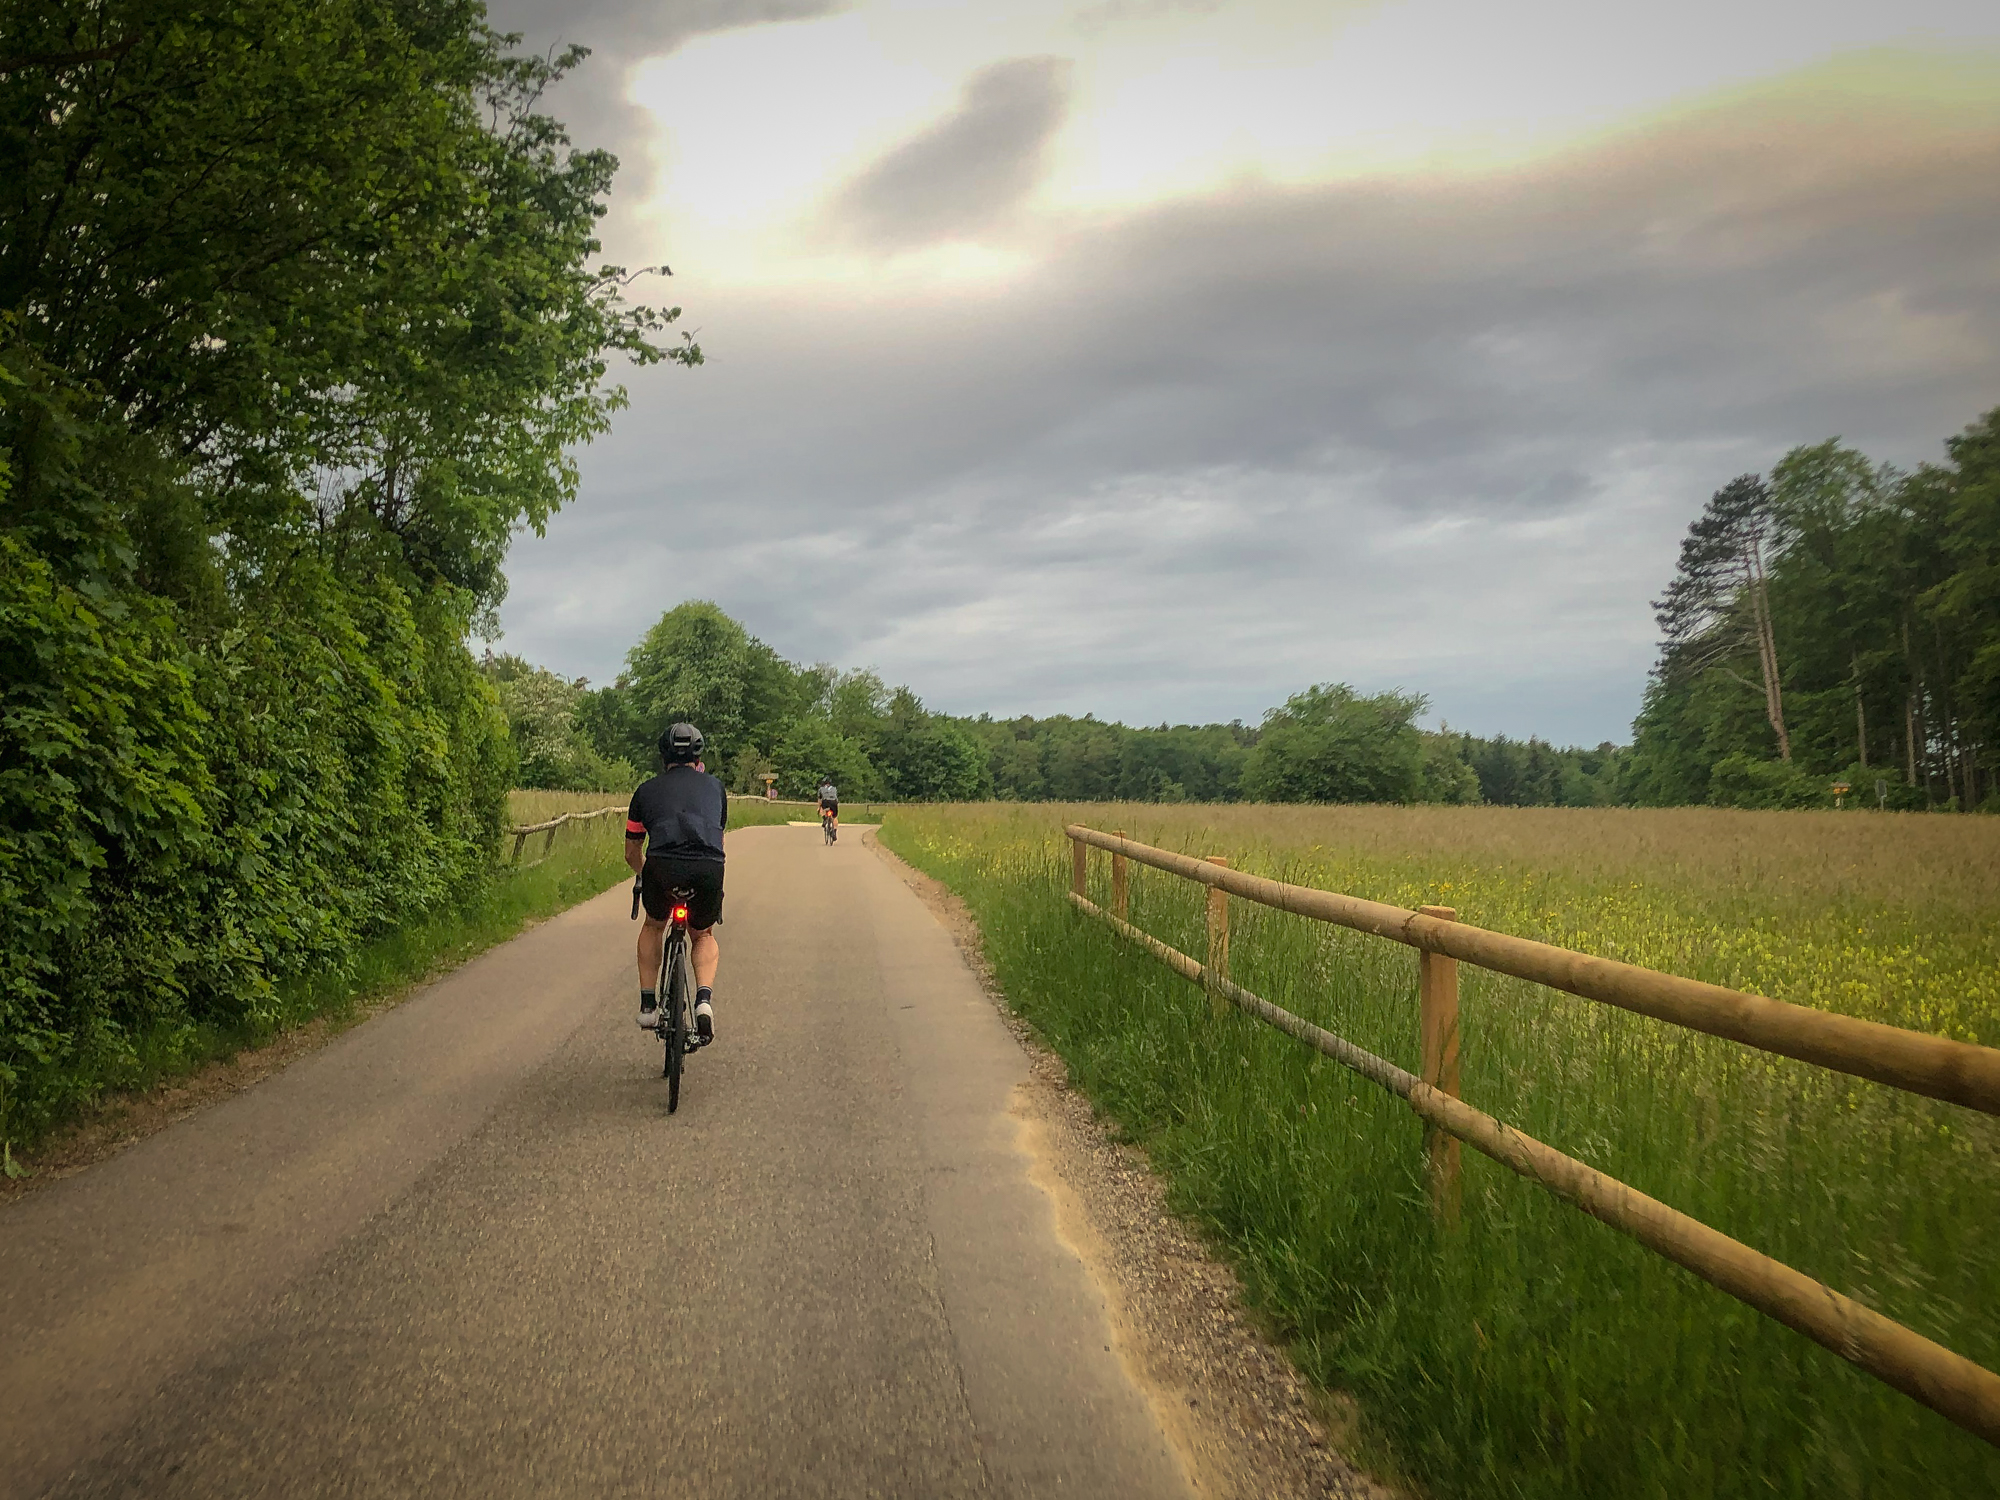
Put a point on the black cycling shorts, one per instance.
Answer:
(665, 872)
(830, 807)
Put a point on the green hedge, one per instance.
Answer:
(193, 820)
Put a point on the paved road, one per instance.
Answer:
(463, 1250)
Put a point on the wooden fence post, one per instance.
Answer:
(1218, 937)
(519, 840)
(1437, 1021)
(1079, 866)
(1118, 887)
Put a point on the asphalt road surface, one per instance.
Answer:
(464, 1250)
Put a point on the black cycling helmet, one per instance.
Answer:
(681, 745)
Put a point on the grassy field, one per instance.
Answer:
(1535, 1352)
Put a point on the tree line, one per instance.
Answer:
(300, 318)
(766, 716)
(1836, 622)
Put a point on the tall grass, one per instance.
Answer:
(1535, 1352)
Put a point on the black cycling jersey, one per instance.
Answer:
(680, 812)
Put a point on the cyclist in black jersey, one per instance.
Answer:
(673, 840)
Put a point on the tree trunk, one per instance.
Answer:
(1767, 648)
(1860, 717)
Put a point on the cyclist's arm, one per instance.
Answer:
(635, 838)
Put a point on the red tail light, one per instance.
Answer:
(680, 913)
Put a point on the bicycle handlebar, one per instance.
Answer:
(635, 902)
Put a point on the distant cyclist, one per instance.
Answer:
(829, 804)
(678, 817)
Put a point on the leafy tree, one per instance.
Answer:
(857, 704)
(927, 757)
(811, 751)
(692, 667)
(1879, 583)
(1718, 602)
(1447, 777)
(541, 720)
(1068, 759)
(1330, 744)
(1965, 606)
(325, 256)
(298, 322)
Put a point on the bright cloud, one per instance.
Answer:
(756, 129)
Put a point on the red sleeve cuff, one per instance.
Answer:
(634, 829)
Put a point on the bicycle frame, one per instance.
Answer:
(675, 989)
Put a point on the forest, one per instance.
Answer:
(764, 715)
(1835, 623)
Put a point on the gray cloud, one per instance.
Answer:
(622, 34)
(1442, 437)
(630, 30)
(965, 173)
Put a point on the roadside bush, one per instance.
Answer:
(190, 823)
(1744, 781)
(1330, 744)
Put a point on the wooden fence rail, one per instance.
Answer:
(1947, 1382)
(549, 829)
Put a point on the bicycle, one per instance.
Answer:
(675, 989)
(828, 827)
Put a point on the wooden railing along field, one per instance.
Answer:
(1957, 1072)
(522, 833)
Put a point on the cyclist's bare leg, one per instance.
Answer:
(652, 939)
(706, 953)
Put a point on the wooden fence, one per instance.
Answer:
(1957, 1072)
(549, 829)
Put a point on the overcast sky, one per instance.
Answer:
(1157, 359)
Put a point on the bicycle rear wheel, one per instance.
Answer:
(675, 1001)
